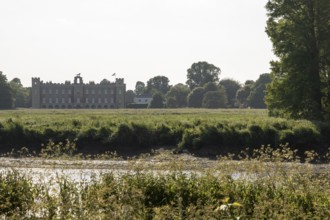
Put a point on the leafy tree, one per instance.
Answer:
(19, 93)
(158, 84)
(231, 86)
(215, 99)
(140, 88)
(129, 97)
(6, 97)
(211, 86)
(195, 97)
(299, 31)
(243, 93)
(105, 82)
(257, 94)
(177, 96)
(201, 73)
(157, 101)
(248, 82)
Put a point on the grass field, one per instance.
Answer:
(204, 132)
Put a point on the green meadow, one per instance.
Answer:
(128, 132)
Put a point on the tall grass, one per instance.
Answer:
(266, 189)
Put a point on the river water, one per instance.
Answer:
(48, 170)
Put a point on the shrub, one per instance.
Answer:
(16, 194)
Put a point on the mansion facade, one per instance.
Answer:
(78, 94)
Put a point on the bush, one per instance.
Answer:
(16, 194)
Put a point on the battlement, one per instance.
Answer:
(120, 81)
(36, 81)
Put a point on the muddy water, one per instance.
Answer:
(45, 170)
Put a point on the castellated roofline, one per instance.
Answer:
(37, 79)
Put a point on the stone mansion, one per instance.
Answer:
(78, 94)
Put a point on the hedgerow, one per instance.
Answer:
(224, 130)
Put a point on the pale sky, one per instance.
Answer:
(136, 39)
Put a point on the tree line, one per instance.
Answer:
(298, 85)
(203, 89)
(13, 94)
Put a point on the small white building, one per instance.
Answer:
(142, 100)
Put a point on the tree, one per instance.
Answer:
(140, 88)
(243, 93)
(19, 93)
(299, 31)
(129, 97)
(157, 101)
(158, 84)
(231, 86)
(195, 97)
(215, 99)
(6, 98)
(105, 82)
(177, 96)
(258, 89)
(201, 73)
(211, 86)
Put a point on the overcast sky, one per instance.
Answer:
(136, 39)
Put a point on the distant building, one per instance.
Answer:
(78, 94)
(142, 100)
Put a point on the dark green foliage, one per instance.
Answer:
(157, 101)
(215, 99)
(231, 86)
(258, 91)
(140, 88)
(158, 84)
(195, 97)
(21, 95)
(6, 96)
(299, 31)
(177, 96)
(201, 73)
(129, 97)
